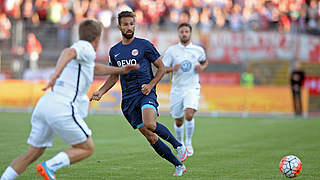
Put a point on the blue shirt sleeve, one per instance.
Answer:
(112, 61)
(151, 52)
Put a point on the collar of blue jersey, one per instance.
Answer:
(188, 46)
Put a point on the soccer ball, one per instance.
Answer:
(290, 166)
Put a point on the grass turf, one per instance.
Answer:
(225, 148)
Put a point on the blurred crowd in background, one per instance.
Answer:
(236, 15)
(248, 42)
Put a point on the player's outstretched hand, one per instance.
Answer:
(129, 67)
(146, 89)
(96, 96)
(176, 67)
(52, 81)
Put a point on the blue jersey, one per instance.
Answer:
(139, 51)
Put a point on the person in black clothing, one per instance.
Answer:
(296, 80)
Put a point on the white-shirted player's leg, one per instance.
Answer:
(75, 132)
(189, 131)
(58, 161)
(76, 153)
(80, 151)
(41, 136)
(179, 129)
(9, 174)
(189, 126)
(191, 103)
(177, 112)
(19, 165)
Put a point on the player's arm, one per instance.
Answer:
(173, 68)
(203, 62)
(110, 82)
(202, 66)
(167, 60)
(146, 88)
(101, 70)
(66, 56)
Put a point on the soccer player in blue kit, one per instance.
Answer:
(60, 111)
(139, 98)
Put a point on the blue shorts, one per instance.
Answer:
(132, 108)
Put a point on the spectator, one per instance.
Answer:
(313, 17)
(194, 16)
(251, 18)
(12, 8)
(205, 26)
(105, 17)
(5, 27)
(64, 27)
(42, 7)
(235, 14)
(219, 17)
(27, 11)
(236, 18)
(55, 11)
(33, 48)
(303, 17)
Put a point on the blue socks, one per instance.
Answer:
(164, 151)
(165, 134)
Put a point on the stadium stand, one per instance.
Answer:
(263, 37)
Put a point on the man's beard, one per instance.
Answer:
(184, 40)
(127, 36)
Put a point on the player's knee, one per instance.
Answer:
(150, 136)
(153, 138)
(179, 123)
(90, 150)
(150, 126)
(189, 116)
(86, 147)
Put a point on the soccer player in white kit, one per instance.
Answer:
(62, 109)
(185, 60)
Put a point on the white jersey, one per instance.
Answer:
(188, 57)
(74, 82)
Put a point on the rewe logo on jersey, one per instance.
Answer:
(124, 62)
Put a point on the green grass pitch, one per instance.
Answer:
(225, 148)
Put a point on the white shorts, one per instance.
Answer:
(179, 101)
(54, 116)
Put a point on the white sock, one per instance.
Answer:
(9, 174)
(179, 132)
(189, 131)
(58, 161)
